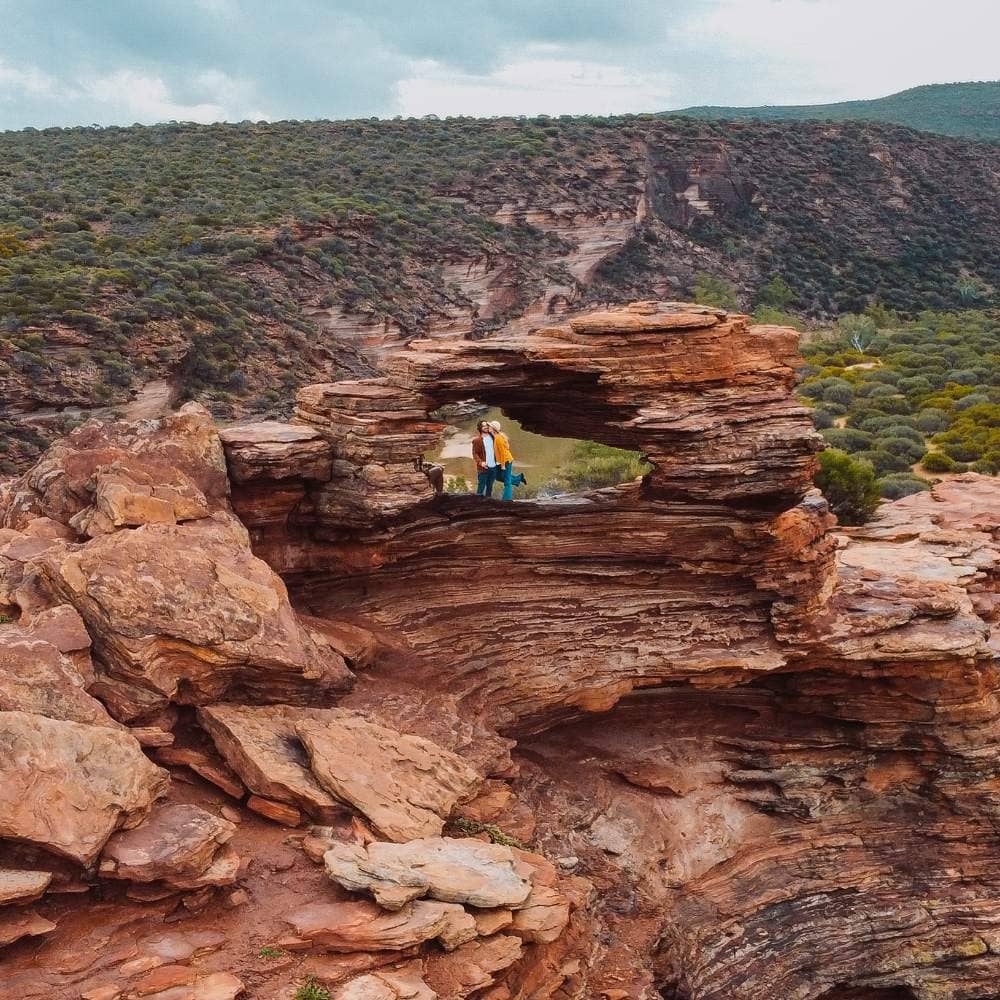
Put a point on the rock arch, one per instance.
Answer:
(693, 572)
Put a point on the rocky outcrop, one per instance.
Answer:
(67, 786)
(756, 757)
(357, 927)
(174, 843)
(452, 871)
(405, 785)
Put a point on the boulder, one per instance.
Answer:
(448, 869)
(36, 677)
(360, 926)
(173, 841)
(542, 917)
(179, 458)
(262, 747)
(473, 966)
(188, 612)
(406, 785)
(67, 787)
(22, 886)
(399, 984)
(16, 924)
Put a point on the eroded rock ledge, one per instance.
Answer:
(791, 791)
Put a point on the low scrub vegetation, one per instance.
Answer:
(909, 398)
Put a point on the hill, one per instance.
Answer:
(232, 263)
(959, 109)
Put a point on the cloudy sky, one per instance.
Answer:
(77, 62)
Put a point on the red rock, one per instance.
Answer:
(67, 787)
(16, 924)
(278, 811)
(214, 771)
(22, 886)
(350, 927)
(175, 842)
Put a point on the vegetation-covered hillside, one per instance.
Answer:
(961, 109)
(231, 259)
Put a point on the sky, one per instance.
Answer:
(115, 62)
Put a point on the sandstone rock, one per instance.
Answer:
(271, 450)
(181, 454)
(173, 841)
(351, 927)
(451, 870)
(542, 917)
(188, 985)
(490, 922)
(473, 966)
(223, 870)
(630, 321)
(124, 497)
(401, 984)
(262, 747)
(22, 886)
(212, 770)
(277, 811)
(36, 677)
(356, 645)
(406, 785)
(188, 612)
(16, 924)
(67, 786)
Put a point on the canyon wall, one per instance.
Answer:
(678, 738)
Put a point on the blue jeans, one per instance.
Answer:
(505, 474)
(485, 480)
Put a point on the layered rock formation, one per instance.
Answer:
(790, 792)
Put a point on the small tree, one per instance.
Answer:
(777, 294)
(859, 331)
(849, 486)
(712, 291)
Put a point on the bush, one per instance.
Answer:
(712, 291)
(931, 421)
(848, 439)
(936, 461)
(901, 484)
(822, 419)
(593, 466)
(848, 485)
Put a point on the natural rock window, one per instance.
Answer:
(554, 465)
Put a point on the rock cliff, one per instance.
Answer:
(273, 713)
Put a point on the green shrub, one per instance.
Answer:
(848, 485)
(712, 291)
(848, 439)
(594, 466)
(311, 990)
(936, 461)
(822, 418)
(901, 484)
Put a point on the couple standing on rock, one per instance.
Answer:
(494, 461)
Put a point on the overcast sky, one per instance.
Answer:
(77, 62)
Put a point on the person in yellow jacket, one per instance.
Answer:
(505, 462)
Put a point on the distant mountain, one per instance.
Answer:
(970, 110)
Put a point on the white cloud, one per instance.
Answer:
(538, 83)
(25, 82)
(808, 51)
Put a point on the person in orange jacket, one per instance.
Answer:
(505, 462)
